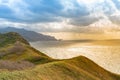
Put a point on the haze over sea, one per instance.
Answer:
(104, 53)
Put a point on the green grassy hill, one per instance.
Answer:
(16, 51)
(79, 68)
(14, 47)
(10, 38)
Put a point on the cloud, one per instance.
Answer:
(117, 3)
(59, 15)
(30, 11)
(83, 21)
(40, 10)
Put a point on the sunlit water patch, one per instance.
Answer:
(106, 56)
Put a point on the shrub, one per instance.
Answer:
(18, 48)
(15, 65)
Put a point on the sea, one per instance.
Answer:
(104, 53)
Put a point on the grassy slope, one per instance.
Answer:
(79, 68)
(10, 38)
(14, 47)
(29, 54)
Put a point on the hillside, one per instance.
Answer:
(15, 48)
(10, 38)
(28, 35)
(19, 61)
(79, 68)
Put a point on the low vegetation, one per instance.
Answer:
(18, 49)
(79, 68)
(19, 61)
(10, 38)
(15, 65)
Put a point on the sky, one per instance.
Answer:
(64, 19)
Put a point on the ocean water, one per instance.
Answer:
(107, 56)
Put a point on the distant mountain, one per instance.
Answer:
(28, 35)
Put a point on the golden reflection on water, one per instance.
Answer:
(104, 53)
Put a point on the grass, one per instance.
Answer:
(79, 68)
(15, 65)
(14, 47)
(27, 53)
(10, 38)
(45, 68)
